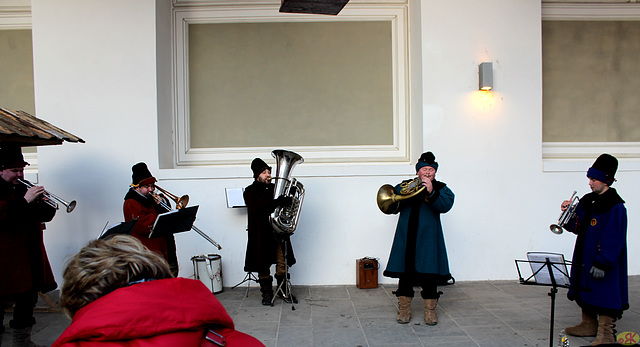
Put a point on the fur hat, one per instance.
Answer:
(257, 166)
(604, 169)
(11, 157)
(427, 159)
(141, 175)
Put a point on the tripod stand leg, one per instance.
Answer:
(248, 278)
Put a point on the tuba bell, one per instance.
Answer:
(566, 215)
(389, 202)
(284, 219)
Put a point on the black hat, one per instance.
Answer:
(141, 175)
(604, 169)
(427, 159)
(11, 157)
(257, 166)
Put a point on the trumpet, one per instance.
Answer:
(180, 203)
(566, 215)
(389, 202)
(49, 198)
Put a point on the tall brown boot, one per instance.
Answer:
(606, 333)
(588, 326)
(430, 315)
(404, 309)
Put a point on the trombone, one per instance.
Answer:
(49, 198)
(180, 203)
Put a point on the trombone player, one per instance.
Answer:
(600, 254)
(141, 203)
(24, 266)
(418, 255)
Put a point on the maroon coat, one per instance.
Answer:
(146, 210)
(24, 265)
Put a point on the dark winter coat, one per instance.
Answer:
(146, 210)
(601, 226)
(418, 245)
(24, 265)
(261, 242)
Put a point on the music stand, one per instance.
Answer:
(247, 278)
(286, 281)
(124, 228)
(548, 269)
(175, 221)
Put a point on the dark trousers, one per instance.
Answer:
(429, 287)
(23, 309)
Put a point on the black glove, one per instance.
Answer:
(284, 201)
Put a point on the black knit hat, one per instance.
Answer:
(11, 157)
(427, 159)
(604, 169)
(257, 166)
(141, 175)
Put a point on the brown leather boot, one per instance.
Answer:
(588, 326)
(430, 315)
(606, 333)
(404, 309)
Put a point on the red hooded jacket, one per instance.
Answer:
(160, 313)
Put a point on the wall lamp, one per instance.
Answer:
(486, 76)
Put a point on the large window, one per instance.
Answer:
(332, 88)
(590, 103)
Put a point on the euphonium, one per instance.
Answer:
(566, 215)
(284, 219)
(388, 200)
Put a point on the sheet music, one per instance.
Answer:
(235, 197)
(558, 267)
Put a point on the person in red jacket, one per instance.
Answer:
(118, 292)
(24, 266)
(140, 204)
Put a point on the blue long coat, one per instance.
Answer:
(430, 256)
(601, 226)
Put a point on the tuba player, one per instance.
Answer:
(263, 248)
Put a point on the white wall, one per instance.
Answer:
(95, 75)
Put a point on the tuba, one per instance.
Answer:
(566, 215)
(389, 202)
(284, 219)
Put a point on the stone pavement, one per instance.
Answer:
(474, 313)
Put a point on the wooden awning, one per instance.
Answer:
(23, 129)
(330, 7)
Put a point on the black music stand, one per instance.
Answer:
(247, 278)
(549, 269)
(286, 281)
(124, 228)
(175, 221)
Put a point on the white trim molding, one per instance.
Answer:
(15, 17)
(187, 12)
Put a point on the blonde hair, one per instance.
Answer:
(103, 266)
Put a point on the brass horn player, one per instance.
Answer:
(418, 254)
(263, 249)
(24, 265)
(140, 204)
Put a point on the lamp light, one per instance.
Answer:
(486, 76)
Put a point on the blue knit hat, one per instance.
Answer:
(604, 169)
(427, 159)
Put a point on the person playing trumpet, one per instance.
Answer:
(599, 272)
(418, 255)
(142, 203)
(24, 265)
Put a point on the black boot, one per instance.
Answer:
(267, 290)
